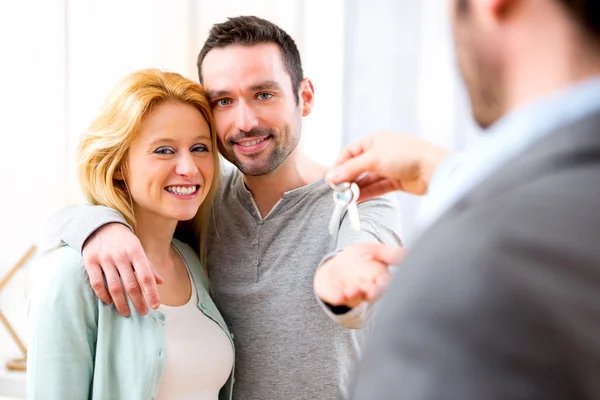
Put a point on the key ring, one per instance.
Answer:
(345, 196)
(340, 187)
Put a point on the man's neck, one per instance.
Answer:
(295, 172)
(539, 71)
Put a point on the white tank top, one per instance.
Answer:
(198, 354)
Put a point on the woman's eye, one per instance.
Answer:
(199, 148)
(164, 150)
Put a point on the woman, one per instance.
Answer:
(151, 155)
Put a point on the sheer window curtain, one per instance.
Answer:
(400, 75)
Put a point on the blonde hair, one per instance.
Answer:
(104, 147)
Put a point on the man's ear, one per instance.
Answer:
(493, 11)
(500, 8)
(307, 96)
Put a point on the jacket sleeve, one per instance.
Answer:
(63, 325)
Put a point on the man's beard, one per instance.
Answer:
(258, 165)
(480, 72)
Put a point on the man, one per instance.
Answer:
(270, 226)
(500, 296)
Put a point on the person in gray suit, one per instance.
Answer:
(499, 297)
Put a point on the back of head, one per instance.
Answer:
(104, 147)
(250, 31)
(586, 14)
(511, 53)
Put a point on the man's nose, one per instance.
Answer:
(246, 117)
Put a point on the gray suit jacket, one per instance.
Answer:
(500, 298)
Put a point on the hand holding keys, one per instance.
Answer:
(345, 196)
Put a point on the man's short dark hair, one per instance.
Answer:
(586, 13)
(250, 31)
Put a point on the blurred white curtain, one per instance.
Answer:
(401, 76)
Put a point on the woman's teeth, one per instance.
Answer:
(182, 190)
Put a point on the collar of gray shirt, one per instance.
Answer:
(288, 199)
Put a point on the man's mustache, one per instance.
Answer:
(253, 133)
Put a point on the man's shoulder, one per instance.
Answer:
(229, 178)
(532, 229)
(519, 254)
(229, 175)
(554, 207)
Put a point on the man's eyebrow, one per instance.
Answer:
(266, 85)
(213, 94)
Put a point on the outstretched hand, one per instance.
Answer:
(357, 274)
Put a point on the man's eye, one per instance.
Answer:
(223, 102)
(164, 150)
(264, 96)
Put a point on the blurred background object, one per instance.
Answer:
(11, 378)
(17, 364)
(375, 64)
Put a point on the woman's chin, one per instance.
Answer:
(184, 215)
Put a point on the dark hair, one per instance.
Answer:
(586, 13)
(250, 31)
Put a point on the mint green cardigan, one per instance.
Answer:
(80, 348)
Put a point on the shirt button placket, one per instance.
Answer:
(255, 242)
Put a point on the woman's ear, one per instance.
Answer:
(119, 175)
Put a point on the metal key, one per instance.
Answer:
(353, 209)
(344, 196)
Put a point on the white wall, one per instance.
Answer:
(32, 130)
